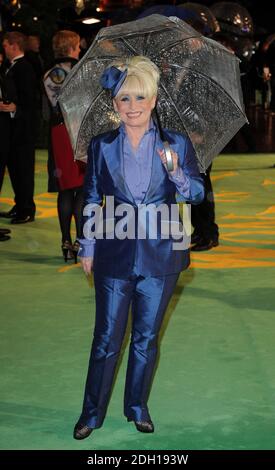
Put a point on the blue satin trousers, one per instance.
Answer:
(148, 298)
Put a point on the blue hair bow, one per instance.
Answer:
(112, 79)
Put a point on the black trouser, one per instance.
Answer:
(4, 144)
(3, 162)
(272, 83)
(21, 169)
(203, 214)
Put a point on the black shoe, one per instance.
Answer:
(22, 220)
(10, 214)
(205, 245)
(75, 249)
(4, 238)
(4, 231)
(81, 431)
(67, 250)
(144, 426)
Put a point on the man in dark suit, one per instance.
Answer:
(7, 94)
(21, 117)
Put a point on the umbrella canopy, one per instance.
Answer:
(199, 93)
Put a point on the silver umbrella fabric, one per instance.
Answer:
(199, 93)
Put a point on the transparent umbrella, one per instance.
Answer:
(199, 93)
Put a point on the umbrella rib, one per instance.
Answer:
(172, 102)
(177, 112)
(149, 34)
(87, 112)
(129, 46)
(180, 41)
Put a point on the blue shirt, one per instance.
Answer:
(137, 164)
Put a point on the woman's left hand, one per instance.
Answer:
(175, 159)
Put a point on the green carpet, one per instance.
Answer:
(215, 383)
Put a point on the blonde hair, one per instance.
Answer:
(63, 41)
(142, 76)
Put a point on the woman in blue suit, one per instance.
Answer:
(128, 167)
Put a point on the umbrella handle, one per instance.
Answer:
(168, 155)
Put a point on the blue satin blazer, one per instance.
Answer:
(104, 177)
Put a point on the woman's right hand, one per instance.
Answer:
(87, 265)
(7, 107)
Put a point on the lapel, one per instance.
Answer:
(156, 173)
(171, 139)
(10, 67)
(158, 170)
(112, 151)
